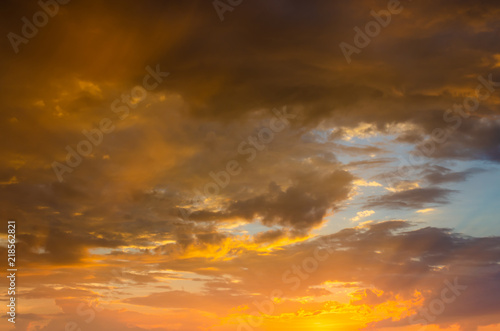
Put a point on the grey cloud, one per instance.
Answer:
(415, 198)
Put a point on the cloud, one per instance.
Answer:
(362, 214)
(414, 198)
(119, 209)
(439, 175)
(315, 77)
(388, 258)
(301, 206)
(426, 210)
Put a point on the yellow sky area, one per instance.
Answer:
(326, 315)
(330, 315)
(226, 250)
(230, 248)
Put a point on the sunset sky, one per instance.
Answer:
(251, 165)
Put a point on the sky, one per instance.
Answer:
(237, 165)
